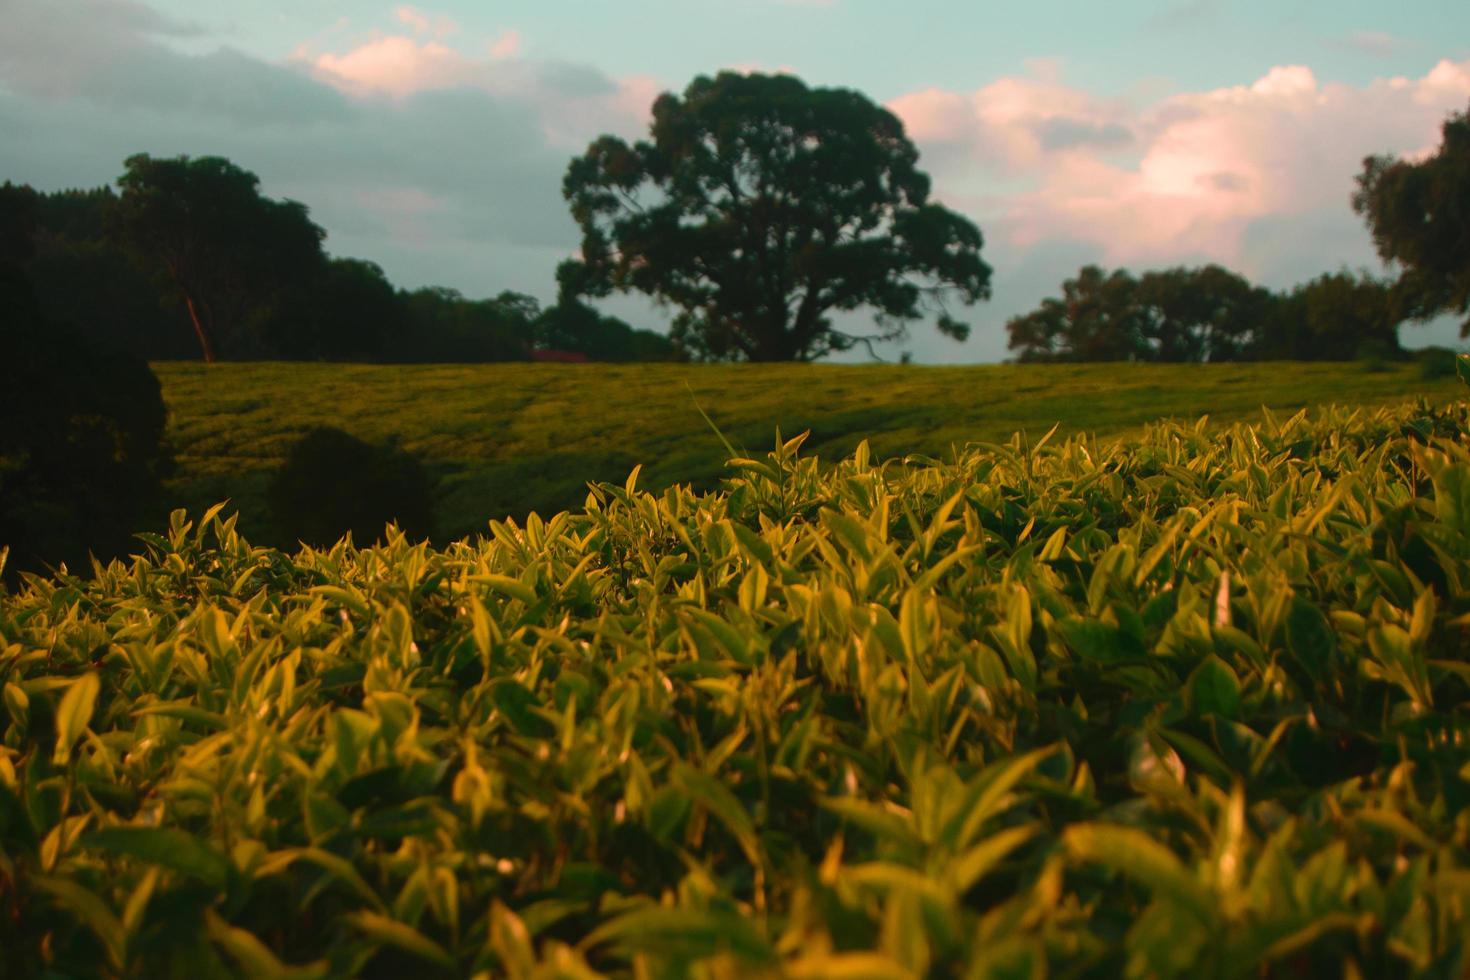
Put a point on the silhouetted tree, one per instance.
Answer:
(1204, 314)
(1180, 314)
(759, 207)
(81, 425)
(1419, 215)
(348, 312)
(1336, 317)
(442, 326)
(1097, 318)
(333, 483)
(229, 252)
(571, 325)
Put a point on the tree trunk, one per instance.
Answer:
(205, 344)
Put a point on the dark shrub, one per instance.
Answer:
(333, 483)
(81, 427)
(1435, 363)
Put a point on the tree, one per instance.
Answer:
(758, 208)
(1419, 215)
(572, 325)
(1180, 314)
(348, 312)
(333, 483)
(1096, 319)
(81, 425)
(1336, 317)
(443, 326)
(229, 252)
(1204, 314)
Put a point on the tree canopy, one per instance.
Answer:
(1419, 215)
(81, 424)
(1180, 314)
(205, 225)
(1206, 314)
(759, 207)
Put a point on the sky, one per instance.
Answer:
(432, 138)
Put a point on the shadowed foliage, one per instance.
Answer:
(1419, 214)
(334, 484)
(81, 425)
(227, 250)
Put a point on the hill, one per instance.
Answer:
(505, 439)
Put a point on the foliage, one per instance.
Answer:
(442, 326)
(1207, 314)
(334, 484)
(227, 250)
(506, 439)
(1419, 215)
(1337, 316)
(1193, 704)
(758, 208)
(572, 325)
(81, 425)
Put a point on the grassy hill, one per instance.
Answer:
(508, 438)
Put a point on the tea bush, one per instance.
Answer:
(1194, 703)
(333, 484)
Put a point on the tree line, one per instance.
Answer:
(186, 258)
(1209, 314)
(1419, 216)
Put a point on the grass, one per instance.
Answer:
(505, 439)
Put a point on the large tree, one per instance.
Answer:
(230, 252)
(760, 207)
(1419, 214)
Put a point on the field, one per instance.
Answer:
(1188, 703)
(508, 439)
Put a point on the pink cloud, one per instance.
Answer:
(507, 45)
(395, 66)
(572, 103)
(423, 23)
(1185, 174)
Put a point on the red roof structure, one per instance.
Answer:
(559, 357)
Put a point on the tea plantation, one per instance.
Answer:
(1192, 703)
(505, 439)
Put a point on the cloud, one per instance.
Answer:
(437, 25)
(574, 101)
(507, 45)
(1194, 173)
(441, 164)
(109, 54)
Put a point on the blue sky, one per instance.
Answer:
(431, 138)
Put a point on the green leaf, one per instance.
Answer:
(254, 957)
(91, 910)
(1100, 643)
(74, 714)
(391, 932)
(1452, 496)
(1215, 689)
(1310, 639)
(174, 849)
(1135, 855)
(685, 933)
(722, 805)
